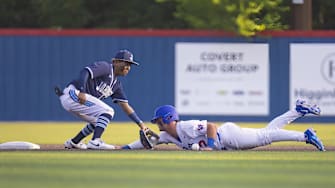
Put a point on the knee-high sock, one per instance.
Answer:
(87, 130)
(101, 125)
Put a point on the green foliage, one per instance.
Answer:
(88, 14)
(242, 16)
(131, 14)
(202, 14)
(61, 13)
(246, 17)
(17, 14)
(323, 14)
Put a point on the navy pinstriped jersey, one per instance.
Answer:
(101, 83)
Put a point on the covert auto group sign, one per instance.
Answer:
(222, 78)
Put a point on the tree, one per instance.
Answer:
(323, 14)
(132, 14)
(61, 13)
(245, 17)
(16, 13)
(42, 13)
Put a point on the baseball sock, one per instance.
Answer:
(87, 130)
(101, 125)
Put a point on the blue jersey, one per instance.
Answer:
(102, 83)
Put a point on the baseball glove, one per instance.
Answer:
(148, 138)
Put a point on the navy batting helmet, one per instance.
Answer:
(168, 114)
(125, 55)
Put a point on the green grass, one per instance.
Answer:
(167, 169)
(137, 169)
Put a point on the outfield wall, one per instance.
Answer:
(206, 74)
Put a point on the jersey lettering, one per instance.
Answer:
(104, 89)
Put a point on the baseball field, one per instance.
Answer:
(286, 164)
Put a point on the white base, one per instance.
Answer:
(18, 145)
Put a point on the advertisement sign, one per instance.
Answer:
(222, 78)
(312, 75)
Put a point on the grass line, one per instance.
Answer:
(167, 169)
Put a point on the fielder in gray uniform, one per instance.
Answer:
(203, 135)
(83, 98)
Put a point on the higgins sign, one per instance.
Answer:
(312, 74)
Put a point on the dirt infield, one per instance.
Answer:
(55, 147)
